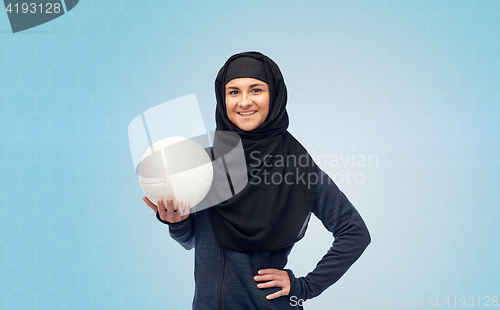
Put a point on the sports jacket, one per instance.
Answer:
(224, 278)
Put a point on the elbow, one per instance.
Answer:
(188, 246)
(366, 238)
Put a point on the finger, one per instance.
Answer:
(278, 273)
(276, 295)
(149, 203)
(187, 210)
(176, 205)
(170, 209)
(269, 270)
(180, 209)
(270, 284)
(266, 277)
(161, 209)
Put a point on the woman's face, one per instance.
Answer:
(247, 102)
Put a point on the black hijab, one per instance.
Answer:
(265, 215)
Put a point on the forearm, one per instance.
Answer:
(346, 249)
(351, 235)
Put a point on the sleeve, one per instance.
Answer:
(351, 235)
(183, 231)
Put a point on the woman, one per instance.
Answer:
(242, 244)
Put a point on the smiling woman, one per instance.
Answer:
(242, 244)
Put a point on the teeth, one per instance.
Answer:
(247, 113)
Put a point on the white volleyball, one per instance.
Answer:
(176, 167)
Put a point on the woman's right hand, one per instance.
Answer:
(169, 215)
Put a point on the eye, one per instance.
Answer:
(256, 90)
(233, 92)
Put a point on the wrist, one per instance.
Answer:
(292, 279)
(159, 218)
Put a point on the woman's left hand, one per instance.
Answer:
(278, 278)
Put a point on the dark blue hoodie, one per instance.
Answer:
(224, 278)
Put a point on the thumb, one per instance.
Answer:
(150, 204)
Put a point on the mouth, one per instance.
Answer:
(247, 113)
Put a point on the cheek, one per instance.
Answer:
(230, 106)
(265, 105)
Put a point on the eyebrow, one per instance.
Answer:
(253, 85)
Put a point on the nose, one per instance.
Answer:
(245, 101)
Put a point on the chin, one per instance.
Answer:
(247, 128)
(244, 125)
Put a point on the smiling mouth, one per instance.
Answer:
(247, 113)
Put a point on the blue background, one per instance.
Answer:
(414, 83)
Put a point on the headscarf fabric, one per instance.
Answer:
(270, 212)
